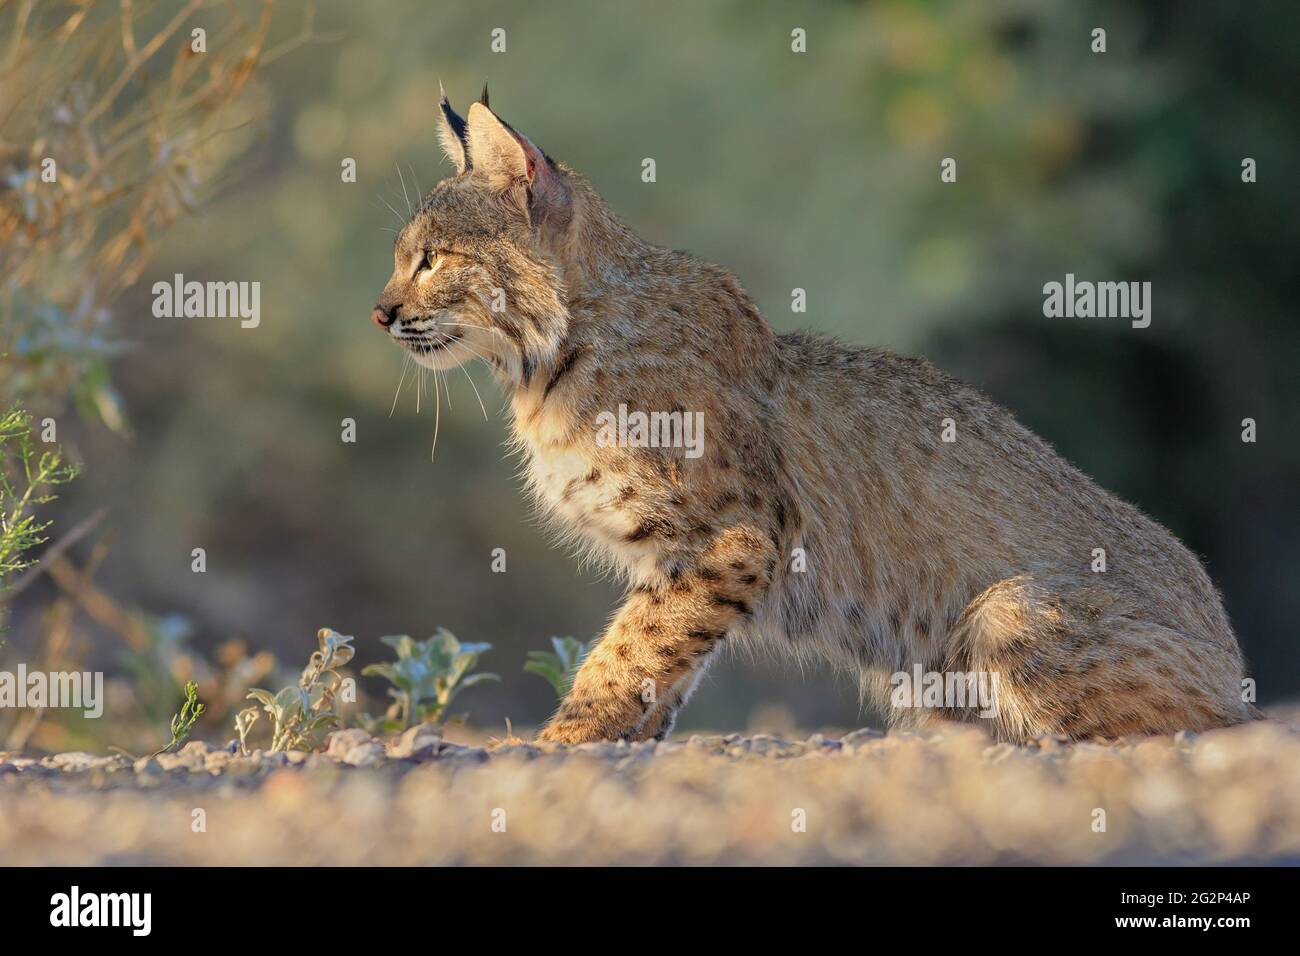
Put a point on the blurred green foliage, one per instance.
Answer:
(27, 476)
(560, 666)
(426, 677)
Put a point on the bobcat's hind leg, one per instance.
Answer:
(1064, 666)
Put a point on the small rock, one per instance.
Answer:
(859, 737)
(148, 766)
(75, 762)
(595, 748)
(367, 754)
(1055, 744)
(768, 746)
(419, 742)
(183, 760)
(470, 755)
(217, 761)
(342, 741)
(243, 766)
(526, 751)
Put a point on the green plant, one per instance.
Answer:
(301, 711)
(26, 475)
(426, 677)
(559, 668)
(184, 721)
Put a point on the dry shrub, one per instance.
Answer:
(138, 126)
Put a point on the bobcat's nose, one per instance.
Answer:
(383, 317)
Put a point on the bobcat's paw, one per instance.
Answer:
(570, 731)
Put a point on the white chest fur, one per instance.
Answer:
(583, 500)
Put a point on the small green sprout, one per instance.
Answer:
(558, 669)
(184, 722)
(426, 677)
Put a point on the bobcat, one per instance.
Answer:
(823, 512)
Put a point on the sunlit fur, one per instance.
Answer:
(970, 555)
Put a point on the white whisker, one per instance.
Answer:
(483, 358)
(404, 196)
(484, 328)
(392, 210)
(469, 378)
(406, 362)
(437, 419)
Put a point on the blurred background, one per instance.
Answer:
(816, 170)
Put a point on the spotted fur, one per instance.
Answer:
(969, 555)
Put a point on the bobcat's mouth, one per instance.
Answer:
(427, 344)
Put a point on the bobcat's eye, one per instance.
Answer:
(429, 261)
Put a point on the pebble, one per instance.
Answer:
(860, 738)
(369, 754)
(147, 766)
(417, 743)
(342, 741)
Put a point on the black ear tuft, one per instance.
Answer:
(453, 132)
(484, 98)
(456, 123)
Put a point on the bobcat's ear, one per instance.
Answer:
(509, 159)
(452, 133)
(495, 150)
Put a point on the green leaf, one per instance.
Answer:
(287, 704)
(263, 697)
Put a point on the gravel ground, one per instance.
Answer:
(953, 797)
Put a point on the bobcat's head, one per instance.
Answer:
(474, 274)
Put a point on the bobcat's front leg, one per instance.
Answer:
(648, 659)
